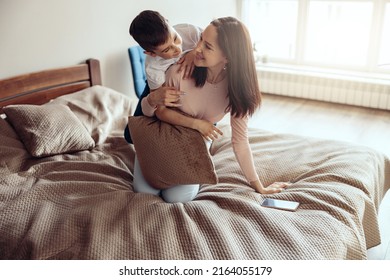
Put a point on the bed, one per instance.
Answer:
(62, 202)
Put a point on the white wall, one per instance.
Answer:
(41, 34)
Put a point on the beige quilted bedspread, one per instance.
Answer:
(82, 206)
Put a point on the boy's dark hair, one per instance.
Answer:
(150, 29)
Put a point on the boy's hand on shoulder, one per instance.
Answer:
(187, 64)
(166, 96)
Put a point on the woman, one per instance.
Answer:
(224, 81)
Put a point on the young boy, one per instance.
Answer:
(163, 45)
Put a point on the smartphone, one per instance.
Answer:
(280, 204)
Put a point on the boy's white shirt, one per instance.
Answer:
(155, 67)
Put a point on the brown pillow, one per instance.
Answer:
(170, 155)
(48, 129)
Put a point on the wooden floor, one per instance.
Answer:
(368, 127)
(361, 126)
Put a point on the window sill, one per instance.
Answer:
(375, 78)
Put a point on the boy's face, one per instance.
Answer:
(171, 48)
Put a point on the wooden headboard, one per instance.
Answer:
(40, 87)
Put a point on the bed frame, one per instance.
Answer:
(40, 87)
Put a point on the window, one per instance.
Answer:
(338, 32)
(345, 34)
(384, 59)
(273, 35)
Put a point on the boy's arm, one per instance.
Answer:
(206, 128)
(191, 37)
(187, 64)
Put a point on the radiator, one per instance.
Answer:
(352, 91)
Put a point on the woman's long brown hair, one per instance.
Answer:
(243, 87)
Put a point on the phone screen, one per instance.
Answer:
(280, 204)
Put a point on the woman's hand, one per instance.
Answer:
(208, 130)
(187, 64)
(276, 187)
(170, 115)
(166, 96)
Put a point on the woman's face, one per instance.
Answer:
(208, 52)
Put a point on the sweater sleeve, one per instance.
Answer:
(241, 147)
(172, 80)
(147, 110)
